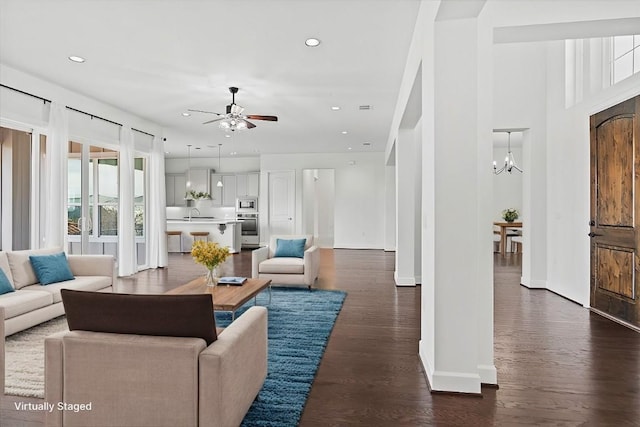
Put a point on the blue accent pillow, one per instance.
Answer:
(293, 248)
(51, 268)
(5, 285)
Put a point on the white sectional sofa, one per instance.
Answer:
(32, 303)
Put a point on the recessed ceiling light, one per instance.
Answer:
(312, 42)
(344, 132)
(335, 108)
(227, 136)
(349, 148)
(186, 114)
(233, 153)
(78, 59)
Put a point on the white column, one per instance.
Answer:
(456, 342)
(390, 208)
(484, 187)
(534, 196)
(405, 208)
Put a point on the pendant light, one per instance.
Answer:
(188, 167)
(509, 161)
(219, 184)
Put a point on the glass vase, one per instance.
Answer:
(211, 278)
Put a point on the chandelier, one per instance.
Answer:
(509, 161)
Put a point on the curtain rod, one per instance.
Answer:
(45, 100)
(93, 116)
(141, 131)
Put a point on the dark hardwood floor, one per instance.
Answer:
(558, 364)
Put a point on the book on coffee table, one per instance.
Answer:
(232, 280)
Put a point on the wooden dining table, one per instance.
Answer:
(504, 227)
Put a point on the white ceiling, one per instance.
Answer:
(158, 58)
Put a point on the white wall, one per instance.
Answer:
(359, 194)
(318, 195)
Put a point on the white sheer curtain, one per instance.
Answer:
(157, 218)
(55, 227)
(127, 264)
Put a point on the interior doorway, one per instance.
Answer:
(318, 201)
(508, 183)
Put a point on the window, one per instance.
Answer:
(625, 57)
(138, 200)
(107, 196)
(100, 203)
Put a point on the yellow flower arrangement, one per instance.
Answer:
(209, 254)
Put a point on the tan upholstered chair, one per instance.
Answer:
(151, 380)
(286, 270)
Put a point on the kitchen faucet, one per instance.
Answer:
(191, 212)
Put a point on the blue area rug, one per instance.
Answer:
(300, 322)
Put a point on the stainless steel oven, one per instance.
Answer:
(250, 229)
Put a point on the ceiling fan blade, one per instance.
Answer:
(211, 121)
(249, 124)
(202, 111)
(258, 117)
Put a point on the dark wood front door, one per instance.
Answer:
(615, 211)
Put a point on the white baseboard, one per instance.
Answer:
(533, 283)
(451, 382)
(488, 374)
(403, 281)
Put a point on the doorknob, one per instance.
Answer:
(592, 234)
(592, 223)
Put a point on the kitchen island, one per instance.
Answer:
(225, 232)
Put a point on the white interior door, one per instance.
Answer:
(282, 202)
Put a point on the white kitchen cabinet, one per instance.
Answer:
(253, 184)
(229, 190)
(216, 192)
(176, 184)
(247, 184)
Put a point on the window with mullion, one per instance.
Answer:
(625, 57)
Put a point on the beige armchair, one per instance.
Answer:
(286, 270)
(122, 379)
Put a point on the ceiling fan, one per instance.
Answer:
(233, 119)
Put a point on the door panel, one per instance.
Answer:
(281, 202)
(615, 172)
(615, 205)
(615, 270)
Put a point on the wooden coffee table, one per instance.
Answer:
(226, 297)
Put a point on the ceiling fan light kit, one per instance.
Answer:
(234, 119)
